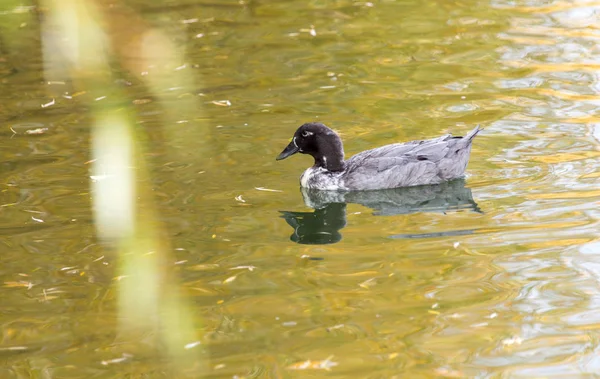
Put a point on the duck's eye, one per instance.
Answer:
(306, 133)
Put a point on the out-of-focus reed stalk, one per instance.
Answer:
(77, 48)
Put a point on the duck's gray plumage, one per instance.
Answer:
(397, 165)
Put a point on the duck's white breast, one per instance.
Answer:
(305, 177)
(320, 178)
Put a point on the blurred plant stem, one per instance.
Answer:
(77, 48)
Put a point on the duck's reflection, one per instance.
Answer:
(324, 224)
(319, 227)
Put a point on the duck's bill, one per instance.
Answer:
(291, 149)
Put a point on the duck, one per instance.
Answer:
(414, 163)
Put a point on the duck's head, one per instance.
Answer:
(319, 141)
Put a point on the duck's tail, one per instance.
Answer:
(457, 158)
(472, 134)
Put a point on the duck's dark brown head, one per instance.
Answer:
(319, 141)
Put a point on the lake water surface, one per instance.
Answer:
(494, 276)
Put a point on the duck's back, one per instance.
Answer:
(410, 164)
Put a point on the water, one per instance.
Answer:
(495, 276)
